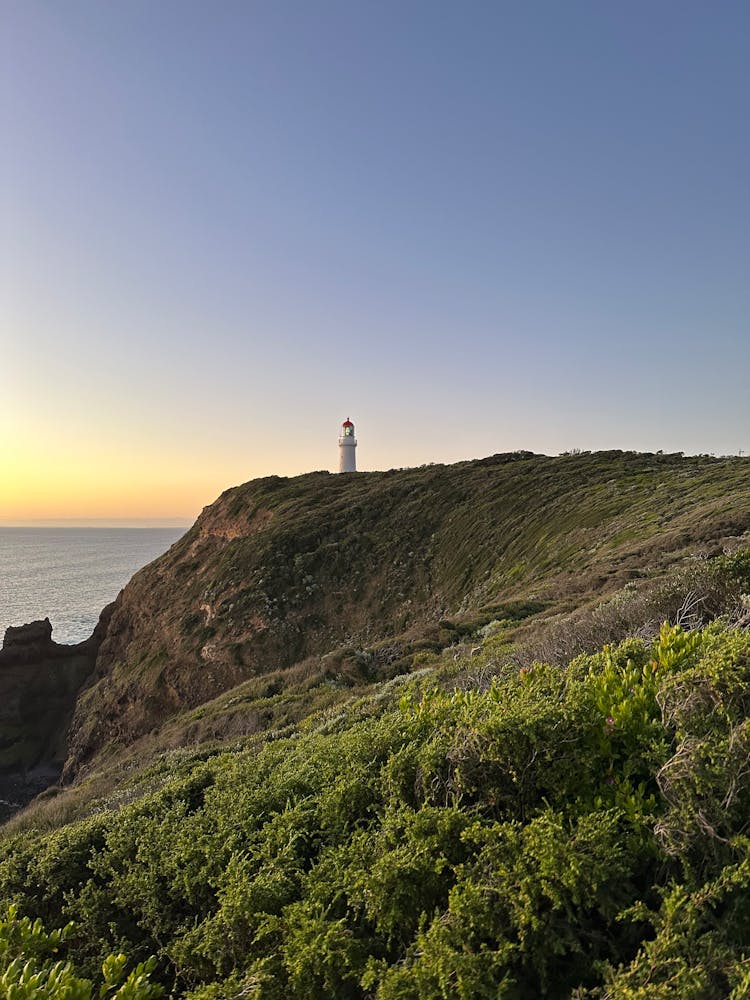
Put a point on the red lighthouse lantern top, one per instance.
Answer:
(347, 423)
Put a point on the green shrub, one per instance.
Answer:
(29, 969)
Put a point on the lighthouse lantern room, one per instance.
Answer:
(347, 447)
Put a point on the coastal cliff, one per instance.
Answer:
(352, 731)
(284, 585)
(40, 681)
(287, 593)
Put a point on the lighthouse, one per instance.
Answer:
(347, 447)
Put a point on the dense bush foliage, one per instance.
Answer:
(29, 969)
(577, 832)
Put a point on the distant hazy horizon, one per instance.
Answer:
(102, 522)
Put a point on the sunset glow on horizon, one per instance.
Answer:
(475, 229)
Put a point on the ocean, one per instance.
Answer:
(69, 574)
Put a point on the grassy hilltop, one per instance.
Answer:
(416, 734)
(324, 578)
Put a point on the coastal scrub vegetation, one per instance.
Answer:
(566, 832)
(454, 732)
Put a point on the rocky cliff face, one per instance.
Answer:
(40, 681)
(279, 570)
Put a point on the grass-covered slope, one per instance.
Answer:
(339, 745)
(563, 832)
(283, 584)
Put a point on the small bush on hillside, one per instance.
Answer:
(30, 969)
(691, 596)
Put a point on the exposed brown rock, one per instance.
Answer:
(26, 639)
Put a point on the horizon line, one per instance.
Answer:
(96, 522)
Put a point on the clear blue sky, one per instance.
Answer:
(473, 227)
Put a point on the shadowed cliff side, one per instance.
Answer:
(39, 683)
(281, 570)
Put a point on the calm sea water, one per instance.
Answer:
(69, 574)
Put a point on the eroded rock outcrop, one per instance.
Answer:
(40, 680)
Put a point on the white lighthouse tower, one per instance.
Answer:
(347, 447)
